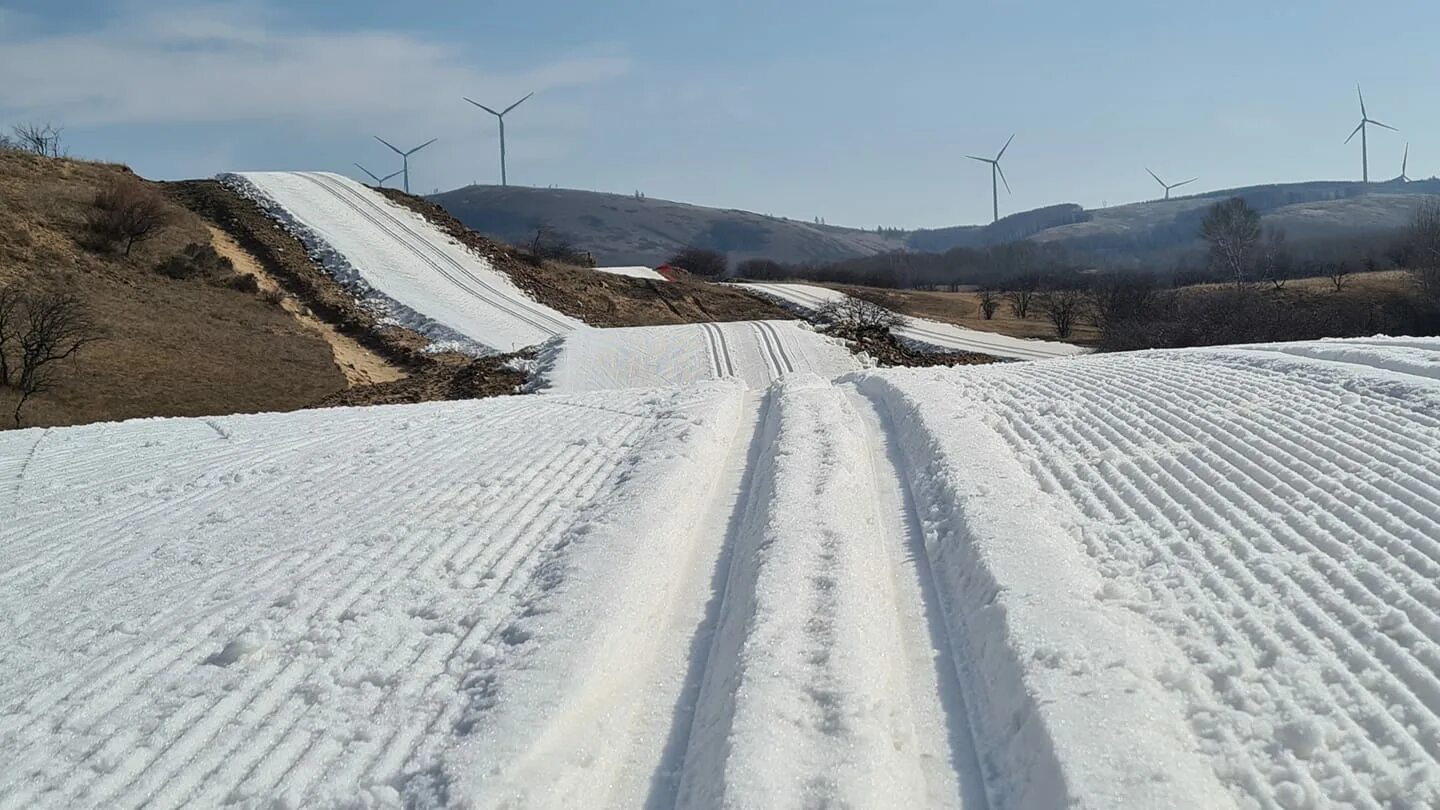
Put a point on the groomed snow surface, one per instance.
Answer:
(923, 331)
(1198, 578)
(398, 262)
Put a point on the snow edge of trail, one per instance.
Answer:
(1067, 694)
(337, 266)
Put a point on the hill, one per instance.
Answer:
(620, 229)
(625, 230)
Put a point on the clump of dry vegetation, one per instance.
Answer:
(37, 333)
(126, 212)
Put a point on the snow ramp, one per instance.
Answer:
(924, 331)
(394, 260)
(757, 352)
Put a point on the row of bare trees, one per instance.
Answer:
(41, 139)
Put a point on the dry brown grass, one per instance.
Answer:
(173, 347)
(963, 309)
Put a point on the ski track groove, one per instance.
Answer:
(1224, 492)
(405, 235)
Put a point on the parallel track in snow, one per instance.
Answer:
(404, 234)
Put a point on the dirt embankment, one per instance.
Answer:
(602, 299)
(192, 346)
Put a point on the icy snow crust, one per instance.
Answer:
(1198, 578)
(922, 330)
(402, 265)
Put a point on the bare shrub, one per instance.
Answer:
(701, 262)
(272, 296)
(551, 244)
(989, 303)
(1020, 300)
(1339, 275)
(127, 212)
(41, 139)
(243, 282)
(195, 260)
(36, 333)
(1062, 308)
(856, 316)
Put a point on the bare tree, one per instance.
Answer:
(1232, 228)
(42, 139)
(1020, 299)
(1274, 261)
(1339, 275)
(129, 212)
(857, 315)
(36, 333)
(1062, 308)
(989, 302)
(1424, 246)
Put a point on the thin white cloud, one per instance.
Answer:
(234, 63)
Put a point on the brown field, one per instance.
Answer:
(963, 309)
(172, 347)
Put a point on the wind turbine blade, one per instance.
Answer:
(1003, 148)
(387, 143)
(1002, 177)
(390, 175)
(481, 106)
(1157, 177)
(1386, 126)
(1362, 99)
(422, 146)
(518, 103)
(1358, 127)
(368, 172)
(1185, 182)
(982, 160)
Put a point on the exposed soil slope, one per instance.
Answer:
(173, 347)
(602, 299)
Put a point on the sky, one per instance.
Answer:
(861, 113)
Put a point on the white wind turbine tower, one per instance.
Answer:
(501, 116)
(1360, 128)
(405, 157)
(1169, 186)
(379, 181)
(996, 172)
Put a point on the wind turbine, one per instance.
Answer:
(379, 181)
(1405, 163)
(1360, 128)
(1169, 186)
(996, 171)
(501, 116)
(405, 157)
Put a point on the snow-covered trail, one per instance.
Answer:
(757, 352)
(425, 279)
(923, 330)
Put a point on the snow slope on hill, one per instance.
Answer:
(425, 279)
(633, 272)
(923, 330)
(646, 356)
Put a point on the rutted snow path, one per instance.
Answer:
(923, 330)
(1153, 580)
(426, 280)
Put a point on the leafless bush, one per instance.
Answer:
(1062, 308)
(854, 315)
(36, 332)
(551, 244)
(989, 302)
(195, 260)
(272, 296)
(128, 212)
(1339, 275)
(41, 139)
(1233, 230)
(1274, 261)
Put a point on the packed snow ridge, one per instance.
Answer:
(1197, 578)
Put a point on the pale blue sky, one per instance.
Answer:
(858, 112)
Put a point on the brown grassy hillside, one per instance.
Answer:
(171, 347)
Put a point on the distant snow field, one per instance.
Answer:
(1196, 578)
(633, 272)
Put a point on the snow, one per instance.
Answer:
(923, 331)
(651, 356)
(1158, 579)
(633, 272)
(399, 263)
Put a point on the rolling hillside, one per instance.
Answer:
(620, 229)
